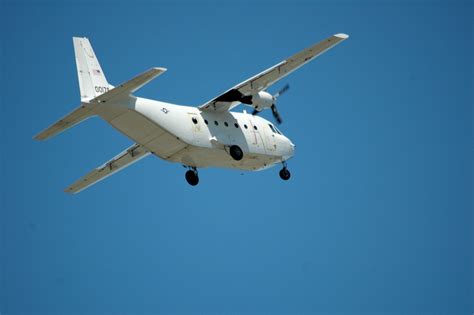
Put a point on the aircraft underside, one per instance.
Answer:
(170, 147)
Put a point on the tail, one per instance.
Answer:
(92, 81)
(94, 88)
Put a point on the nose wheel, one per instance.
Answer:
(192, 176)
(284, 172)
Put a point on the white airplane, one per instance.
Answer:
(206, 136)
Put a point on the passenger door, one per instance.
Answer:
(255, 137)
(196, 127)
(270, 143)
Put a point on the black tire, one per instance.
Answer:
(236, 152)
(192, 178)
(285, 174)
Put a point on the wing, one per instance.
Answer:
(241, 93)
(118, 163)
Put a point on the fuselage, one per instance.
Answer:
(195, 138)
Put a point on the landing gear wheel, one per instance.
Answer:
(236, 152)
(285, 174)
(192, 177)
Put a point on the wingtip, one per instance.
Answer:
(161, 69)
(39, 137)
(342, 35)
(70, 190)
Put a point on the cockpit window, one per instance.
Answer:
(274, 129)
(278, 131)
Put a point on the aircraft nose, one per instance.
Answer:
(291, 148)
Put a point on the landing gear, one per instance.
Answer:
(192, 177)
(236, 152)
(284, 172)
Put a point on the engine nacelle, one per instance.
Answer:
(262, 100)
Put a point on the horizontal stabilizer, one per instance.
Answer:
(133, 154)
(130, 86)
(76, 116)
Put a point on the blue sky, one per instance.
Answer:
(378, 214)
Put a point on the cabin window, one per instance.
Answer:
(226, 124)
(245, 126)
(255, 127)
(216, 123)
(195, 121)
(236, 125)
(205, 121)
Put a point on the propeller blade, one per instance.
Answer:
(282, 90)
(276, 114)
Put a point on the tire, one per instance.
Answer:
(285, 174)
(236, 152)
(192, 178)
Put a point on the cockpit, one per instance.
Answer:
(274, 129)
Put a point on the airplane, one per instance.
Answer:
(209, 135)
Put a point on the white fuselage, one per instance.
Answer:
(197, 138)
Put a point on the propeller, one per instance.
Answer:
(275, 113)
(282, 90)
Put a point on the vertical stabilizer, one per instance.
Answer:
(92, 80)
